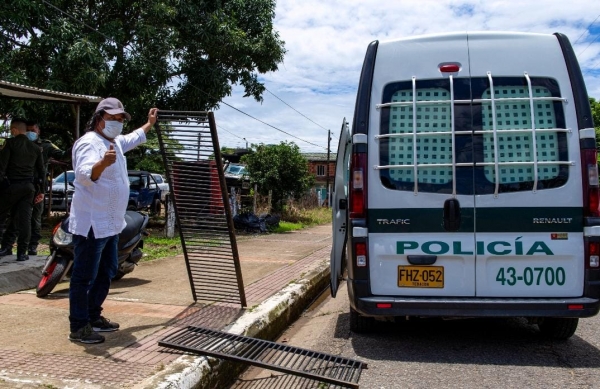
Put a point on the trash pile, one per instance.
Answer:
(249, 222)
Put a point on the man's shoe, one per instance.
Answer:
(32, 250)
(104, 325)
(86, 335)
(4, 251)
(22, 257)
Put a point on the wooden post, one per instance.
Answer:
(269, 201)
(254, 199)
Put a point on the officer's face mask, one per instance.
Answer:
(32, 135)
(112, 128)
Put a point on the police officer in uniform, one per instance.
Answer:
(49, 150)
(20, 162)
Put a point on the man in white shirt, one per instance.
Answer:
(98, 214)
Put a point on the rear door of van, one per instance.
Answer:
(339, 209)
(421, 195)
(528, 200)
(476, 188)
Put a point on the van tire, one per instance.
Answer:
(360, 324)
(558, 328)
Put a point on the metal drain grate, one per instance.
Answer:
(192, 157)
(269, 355)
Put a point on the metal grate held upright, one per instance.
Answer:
(191, 153)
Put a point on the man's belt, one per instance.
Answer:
(21, 181)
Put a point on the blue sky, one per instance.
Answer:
(326, 43)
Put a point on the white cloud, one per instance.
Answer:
(326, 43)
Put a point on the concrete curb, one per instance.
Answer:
(17, 276)
(266, 321)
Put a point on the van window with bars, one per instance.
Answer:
(432, 118)
(513, 144)
(483, 142)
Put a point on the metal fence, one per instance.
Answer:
(190, 148)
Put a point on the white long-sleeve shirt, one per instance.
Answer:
(101, 204)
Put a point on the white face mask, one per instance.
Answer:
(112, 128)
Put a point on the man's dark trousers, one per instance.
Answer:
(10, 234)
(18, 198)
(95, 265)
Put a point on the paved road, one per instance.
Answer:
(473, 353)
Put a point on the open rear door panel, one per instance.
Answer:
(339, 208)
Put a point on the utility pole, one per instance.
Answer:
(199, 142)
(327, 169)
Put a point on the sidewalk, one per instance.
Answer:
(282, 273)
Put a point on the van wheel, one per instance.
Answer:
(558, 328)
(360, 324)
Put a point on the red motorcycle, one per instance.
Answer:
(60, 260)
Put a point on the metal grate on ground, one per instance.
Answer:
(269, 355)
(192, 158)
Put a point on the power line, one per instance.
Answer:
(237, 136)
(194, 86)
(593, 67)
(300, 113)
(587, 28)
(265, 123)
(595, 39)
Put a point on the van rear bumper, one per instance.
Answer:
(476, 307)
(365, 303)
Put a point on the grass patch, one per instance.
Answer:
(159, 247)
(293, 219)
(306, 217)
(286, 227)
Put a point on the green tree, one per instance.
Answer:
(595, 113)
(280, 169)
(173, 54)
(595, 105)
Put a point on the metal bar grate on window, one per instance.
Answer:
(269, 355)
(192, 158)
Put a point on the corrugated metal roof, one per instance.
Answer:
(320, 156)
(24, 92)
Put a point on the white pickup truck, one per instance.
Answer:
(162, 184)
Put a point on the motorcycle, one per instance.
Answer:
(59, 262)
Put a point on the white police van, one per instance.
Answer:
(469, 184)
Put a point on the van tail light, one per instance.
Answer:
(358, 186)
(591, 198)
(593, 254)
(360, 249)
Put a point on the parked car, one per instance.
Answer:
(58, 189)
(144, 192)
(237, 176)
(160, 181)
(234, 170)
